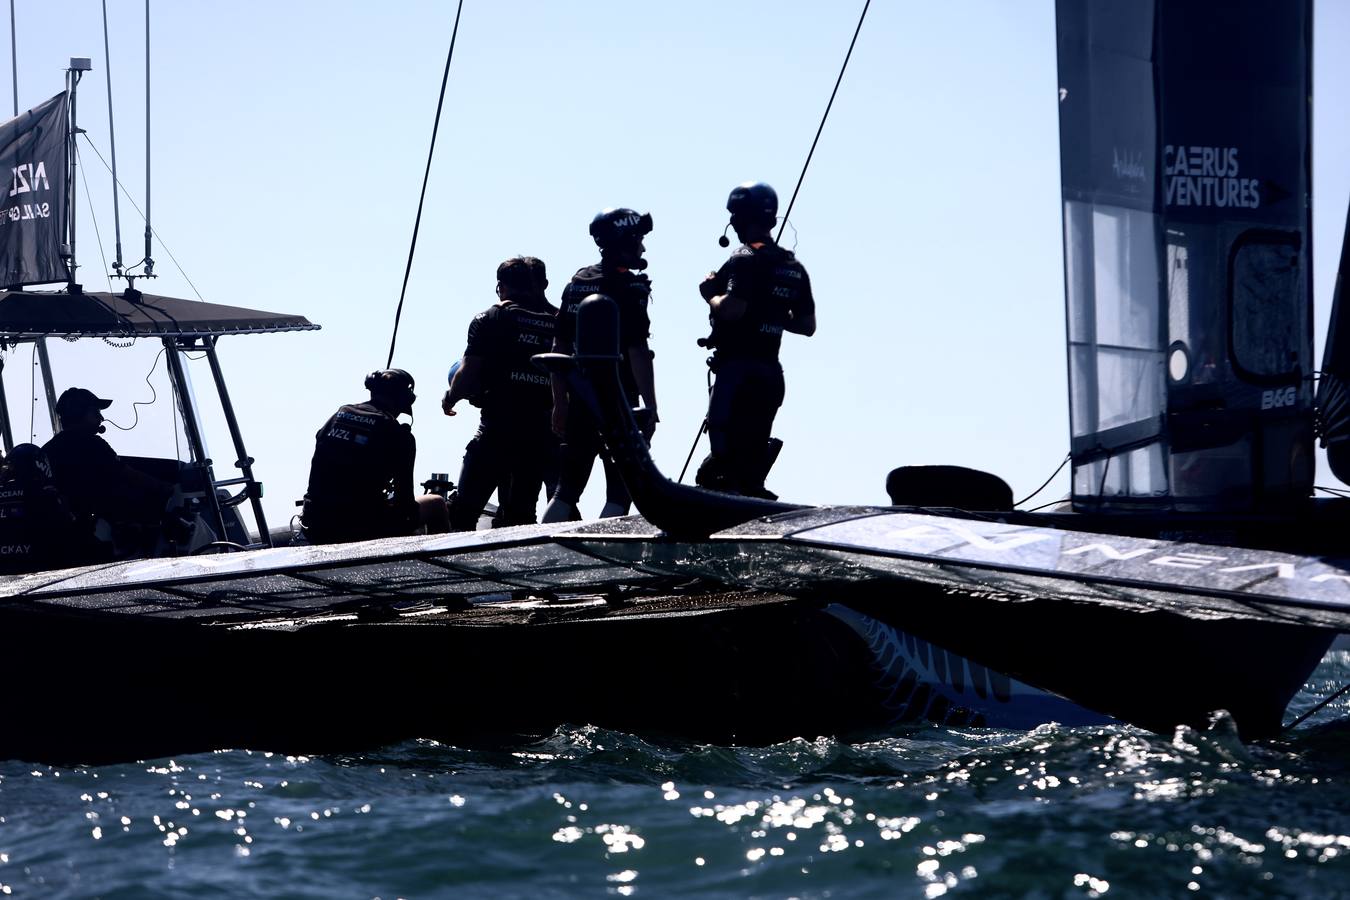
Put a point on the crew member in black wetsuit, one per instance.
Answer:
(37, 531)
(514, 451)
(618, 275)
(759, 293)
(361, 476)
(92, 479)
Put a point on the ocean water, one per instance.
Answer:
(1053, 812)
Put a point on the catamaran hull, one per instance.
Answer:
(752, 668)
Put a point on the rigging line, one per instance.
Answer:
(154, 398)
(1318, 708)
(1062, 464)
(822, 120)
(112, 148)
(173, 258)
(417, 222)
(98, 236)
(702, 428)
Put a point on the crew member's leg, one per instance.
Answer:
(580, 447)
(754, 410)
(478, 478)
(718, 470)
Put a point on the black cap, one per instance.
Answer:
(76, 400)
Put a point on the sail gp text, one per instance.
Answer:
(20, 212)
(1207, 176)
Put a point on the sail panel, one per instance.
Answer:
(32, 213)
(1184, 143)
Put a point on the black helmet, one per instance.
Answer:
(753, 201)
(28, 462)
(619, 226)
(393, 384)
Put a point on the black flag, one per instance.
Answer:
(32, 212)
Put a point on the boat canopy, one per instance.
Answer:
(31, 314)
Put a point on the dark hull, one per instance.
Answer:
(747, 668)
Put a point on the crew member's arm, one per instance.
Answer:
(559, 400)
(716, 290)
(143, 483)
(802, 314)
(644, 374)
(805, 326)
(467, 382)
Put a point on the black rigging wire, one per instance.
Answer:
(1318, 708)
(417, 222)
(812, 151)
(147, 225)
(98, 236)
(1062, 464)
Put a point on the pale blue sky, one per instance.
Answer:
(289, 141)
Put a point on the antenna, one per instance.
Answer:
(112, 147)
(14, 57)
(78, 66)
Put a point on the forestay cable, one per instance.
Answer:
(812, 151)
(417, 222)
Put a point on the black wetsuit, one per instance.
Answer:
(514, 451)
(361, 477)
(749, 386)
(630, 291)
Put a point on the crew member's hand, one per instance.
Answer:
(709, 287)
(448, 405)
(560, 420)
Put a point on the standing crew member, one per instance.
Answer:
(618, 233)
(759, 293)
(514, 451)
(361, 476)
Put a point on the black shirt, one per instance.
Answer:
(361, 455)
(506, 336)
(772, 283)
(631, 291)
(86, 471)
(36, 530)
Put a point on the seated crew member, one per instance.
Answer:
(92, 479)
(759, 293)
(514, 451)
(361, 476)
(618, 233)
(37, 531)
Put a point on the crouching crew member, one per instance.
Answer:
(514, 451)
(618, 233)
(361, 476)
(37, 531)
(759, 293)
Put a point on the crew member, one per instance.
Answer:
(759, 293)
(618, 233)
(37, 531)
(361, 476)
(514, 451)
(93, 480)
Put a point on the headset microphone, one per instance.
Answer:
(722, 241)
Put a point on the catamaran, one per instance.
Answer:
(1191, 571)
